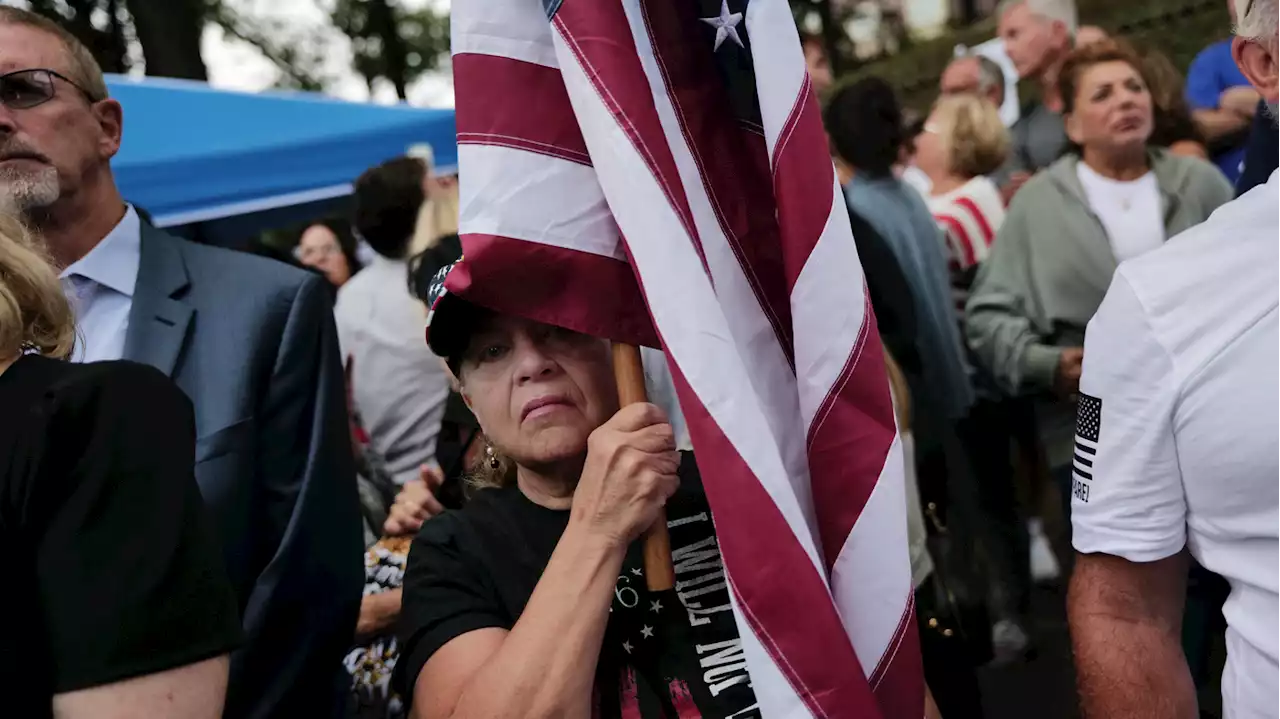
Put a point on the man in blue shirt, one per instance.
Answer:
(1261, 152)
(1223, 105)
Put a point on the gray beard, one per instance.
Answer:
(22, 192)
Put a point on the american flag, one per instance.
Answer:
(1088, 427)
(656, 172)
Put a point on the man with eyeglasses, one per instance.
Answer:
(251, 342)
(1176, 450)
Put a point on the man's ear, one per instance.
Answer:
(110, 118)
(1062, 36)
(1259, 66)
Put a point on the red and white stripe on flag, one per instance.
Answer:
(612, 183)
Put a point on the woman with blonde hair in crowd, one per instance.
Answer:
(963, 142)
(123, 607)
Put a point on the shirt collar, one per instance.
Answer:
(388, 261)
(114, 261)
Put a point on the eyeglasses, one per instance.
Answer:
(25, 89)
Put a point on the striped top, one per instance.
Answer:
(969, 217)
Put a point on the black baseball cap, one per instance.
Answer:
(450, 319)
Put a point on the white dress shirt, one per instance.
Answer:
(398, 385)
(100, 286)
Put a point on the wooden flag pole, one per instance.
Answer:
(628, 371)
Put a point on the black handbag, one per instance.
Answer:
(952, 603)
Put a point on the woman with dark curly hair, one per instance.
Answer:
(329, 247)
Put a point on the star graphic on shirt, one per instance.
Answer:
(647, 631)
(726, 25)
(637, 571)
(627, 645)
(655, 605)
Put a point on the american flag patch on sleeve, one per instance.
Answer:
(1088, 424)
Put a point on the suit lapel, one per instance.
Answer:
(159, 319)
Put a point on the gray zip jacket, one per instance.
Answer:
(1051, 264)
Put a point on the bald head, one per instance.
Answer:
(976, 75)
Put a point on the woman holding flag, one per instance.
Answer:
(532, 600)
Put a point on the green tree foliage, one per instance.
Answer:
(168, 33)
(1178, 28)
(391, 42)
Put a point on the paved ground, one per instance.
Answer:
(1043, 687)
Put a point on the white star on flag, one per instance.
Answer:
(726, 25)
(637, 572)
(627, 645)
(655, 606)
(647, 631)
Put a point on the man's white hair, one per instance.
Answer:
(1063, 11)
(1257, 20)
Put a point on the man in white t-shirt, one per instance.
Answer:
(1176, 451)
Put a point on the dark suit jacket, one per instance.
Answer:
(252, 343)
(1260, 155)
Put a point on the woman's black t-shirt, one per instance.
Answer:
(666, 654)
(110, 567)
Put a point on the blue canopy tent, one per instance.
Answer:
(224, 166)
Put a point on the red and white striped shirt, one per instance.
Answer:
(969, 217)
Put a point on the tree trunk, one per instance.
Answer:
(115, 40)
(169, 32)
(831, 33)
(383, 22)
(112, 57)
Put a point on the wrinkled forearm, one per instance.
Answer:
(1218, 124)
(546, 666)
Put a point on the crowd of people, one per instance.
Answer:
(1111, 162)
(247, 487)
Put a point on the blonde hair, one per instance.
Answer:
(35, 315)
(437, 217)
(899, 393)
(970, 129)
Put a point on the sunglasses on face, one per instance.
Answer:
(26, 89)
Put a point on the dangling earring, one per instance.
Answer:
(493, 458)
